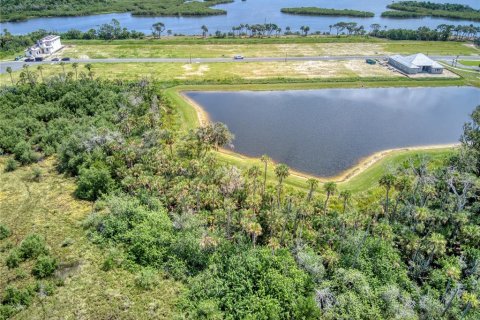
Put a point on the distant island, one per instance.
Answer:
(314, 11)
(13, 10)
(417, 9)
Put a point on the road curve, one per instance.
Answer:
(17, 65)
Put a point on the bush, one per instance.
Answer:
(17, 297)
(44, 267)
(13, 259)
(146, 279)
(36, 174)
(32, 247)
(24, 154)
(4, 232)
(11, 165)
(93, 182)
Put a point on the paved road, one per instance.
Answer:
(17, 65)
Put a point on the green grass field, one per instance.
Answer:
(472, 63)
(186, 47)
(48, 208)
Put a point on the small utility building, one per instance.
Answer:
(415, 63)
(44, 47)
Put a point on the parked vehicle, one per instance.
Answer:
(66, 59)
(29, 60)
(38, 59)
(55, 59)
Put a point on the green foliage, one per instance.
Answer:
(413, 9)
(44, 266)
(146, 279)
(13, 10)
(14, 258)
(94, 182)
(17, 297)
(4, 231)
(251, 283)
(32, 247)
(24, 154)
(11, 165)
(314, 11)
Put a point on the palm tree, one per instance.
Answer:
(330, 188)
(9, 70)
(204, 31)
(255, 229)
(75, 66)
(387, 181)
(157, 29)
(281, 171)
(265, 160)
(312, 185)
(88, 66)
(63, 67)
(345, 195)
(40, 69)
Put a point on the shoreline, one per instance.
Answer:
(344, 176)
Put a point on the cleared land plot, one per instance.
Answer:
(224, 71)
(152, 49)
(471, 63)
(48, 208)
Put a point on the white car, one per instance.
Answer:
(238, 57)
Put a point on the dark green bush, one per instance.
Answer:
(24, 154)
(17, 297)
(11, 165)
(44, 267)
(13, 259)
(93, 182)
(32, 247)
(4, 232)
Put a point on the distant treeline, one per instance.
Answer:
(314, 11)
(15, 10)
(414, 9)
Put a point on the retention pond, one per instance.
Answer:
(325, 132)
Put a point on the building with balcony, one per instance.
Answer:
(44, 47)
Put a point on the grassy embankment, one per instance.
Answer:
(416, 9)
(13, 11)
(472, 63)
(269, 47)
(48, 208)
(314, 11)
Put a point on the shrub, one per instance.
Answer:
(4, 232)
(11, 165)
(32, 247)
(36, 174)
(13, 259)
(17, 297)
(146, 279)
(93, 182)
(24, 154)
(44, 267)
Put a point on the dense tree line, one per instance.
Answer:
(414, 9)
(314, 11)
(246, 247)
(15, 10)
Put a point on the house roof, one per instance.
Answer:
(416, 61)
(50, 37)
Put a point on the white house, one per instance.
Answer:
(415, 63)
(44, 47)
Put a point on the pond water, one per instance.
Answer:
(324, 132)
(250, 11)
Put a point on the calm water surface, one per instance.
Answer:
(325, 132)
(250, 11)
